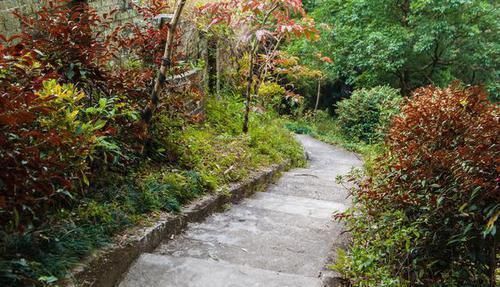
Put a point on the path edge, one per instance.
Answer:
(106, 266)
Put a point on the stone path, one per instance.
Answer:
(282, 237)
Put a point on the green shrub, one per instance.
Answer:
(366, 115)
(377, 249)
(322, 126)
(299, 127)
(271, 94)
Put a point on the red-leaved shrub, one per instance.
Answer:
(72, 88)
(33, 170)
(441, 169)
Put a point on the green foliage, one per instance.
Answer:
(299, 128)
(366, 115)
(221, 154)
(380, 245)
(322, 126)
(407, 44)
(271, 94)
(169, 190)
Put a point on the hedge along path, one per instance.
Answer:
(282, 237)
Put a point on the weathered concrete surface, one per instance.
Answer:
(106, 266)
(282, 237)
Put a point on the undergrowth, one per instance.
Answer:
(191, 159)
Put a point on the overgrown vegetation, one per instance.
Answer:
(86, 152)
(208, 156)
(79, 163)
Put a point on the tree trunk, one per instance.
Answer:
(166, 65)
(318, 96)
(248, 92)
(212, 65)
(493, 263)
(403, 82)
(218, 69)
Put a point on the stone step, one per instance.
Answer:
(152, 270)
(295, 205)
(312, 189)
(259, 238)
(282, 237)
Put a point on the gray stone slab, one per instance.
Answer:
(329, 191)
(259, 238)
(296, 205)
(281, 237)
(167, 271)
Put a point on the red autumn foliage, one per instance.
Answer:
(70, 38)
(146, 42)
(44, 167)
(453, 133)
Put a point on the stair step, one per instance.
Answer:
(152, 270)
(295, 205)
(259, 238)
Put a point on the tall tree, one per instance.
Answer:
(409, 43)
(261, 26)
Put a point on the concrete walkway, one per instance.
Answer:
(282, 237)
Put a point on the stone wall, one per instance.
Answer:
(9, 24)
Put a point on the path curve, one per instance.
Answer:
(281, 237)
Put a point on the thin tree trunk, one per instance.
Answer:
(218, 69)
(253, 51)
(211, 62)
(318, 96)
(248, 91)
(493, 263)
(166, 64)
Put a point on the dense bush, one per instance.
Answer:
(271, 94)
(367, 113)
(437, 184)
(55, 136)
